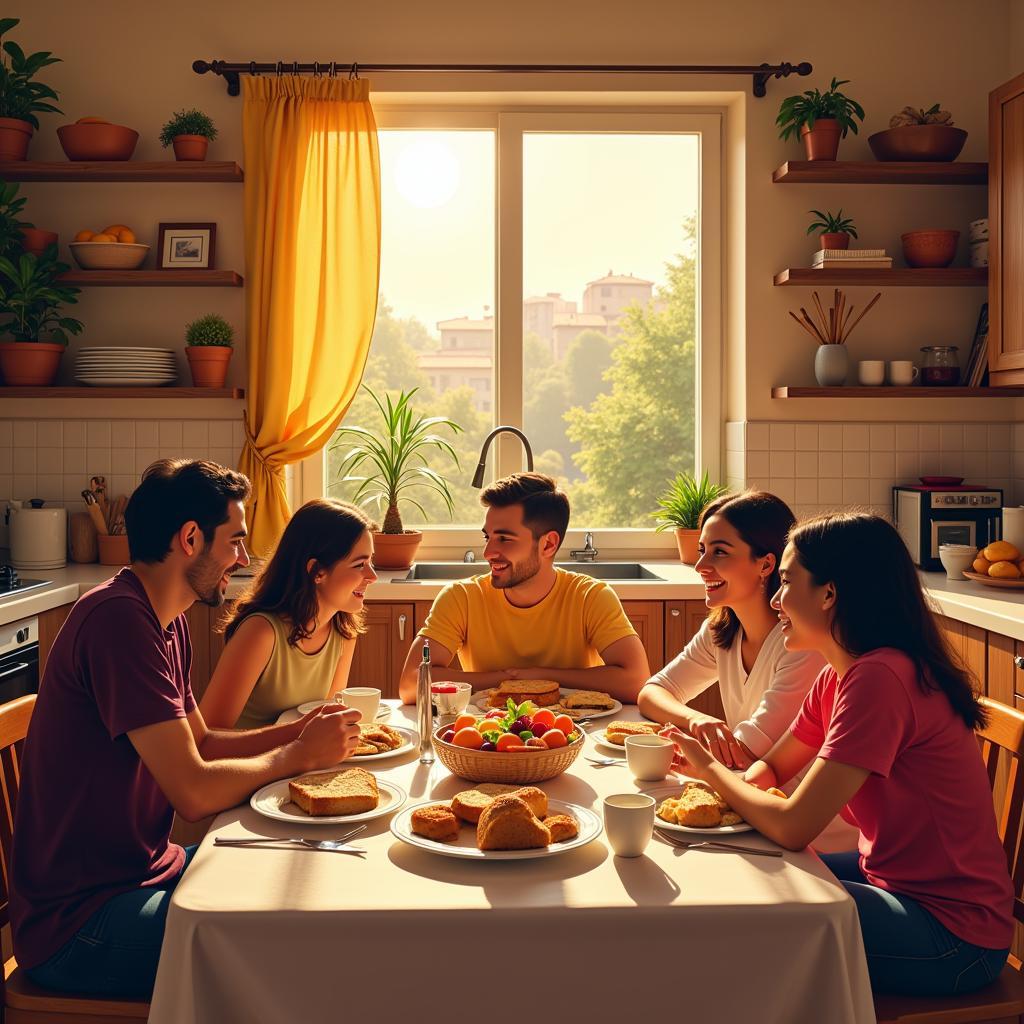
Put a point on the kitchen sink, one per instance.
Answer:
(424, 571)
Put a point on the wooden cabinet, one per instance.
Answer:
(381, 650)
(647, 618)
(50, 622)
(1006, 234)
(682, 620)
(969, 643)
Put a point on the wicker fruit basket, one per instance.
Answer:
(520, 767)
(108, 255)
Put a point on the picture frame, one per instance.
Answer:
(186, 246)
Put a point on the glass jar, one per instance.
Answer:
(940, 367)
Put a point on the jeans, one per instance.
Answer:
(909, 951)
(116, 952)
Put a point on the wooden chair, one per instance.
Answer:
(1003, 1001)
(23, 1002)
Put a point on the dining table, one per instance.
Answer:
(281, 934)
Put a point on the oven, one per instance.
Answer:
(19, 659)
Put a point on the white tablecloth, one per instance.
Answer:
(402, 934)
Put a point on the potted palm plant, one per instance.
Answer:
(820, 118)
(680, 507)
(20, 97)
(395, 456)
(31, 297)
(208, 345)
(836, 230)
(189, 132)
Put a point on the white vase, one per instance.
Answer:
(831, 364)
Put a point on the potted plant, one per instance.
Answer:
(397, 455)
(821, 118)
(680, 507)
(31, 297)
(208, 346)
(20, 97)
(835, 229)
(190, 132)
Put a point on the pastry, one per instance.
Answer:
(379, 739)
(435, 822)
(469, 804)
(562, 827)
(617, 731)
(507, 823)
(543, 692)
(346, 791)
(590, 700)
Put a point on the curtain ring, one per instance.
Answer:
(295, 67)
(353, 71)
(316, 69)
(252, 67)
(334, 69)
(278, 69)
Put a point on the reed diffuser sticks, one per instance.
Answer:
(835, 328)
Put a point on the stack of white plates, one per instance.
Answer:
(125, 367)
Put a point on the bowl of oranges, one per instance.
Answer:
(113, 248)
(518, 744)
(1000, 564)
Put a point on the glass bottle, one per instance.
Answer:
(424, 708)
(940, 367)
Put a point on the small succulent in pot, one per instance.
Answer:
(820, 118)
(190, 132)
(211, 329)
(836, 230)
(209, 342)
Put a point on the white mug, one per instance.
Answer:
(364, 699)
(452, 698)
(629, 823)
(902, 372)
(649, 757)
(871, 372)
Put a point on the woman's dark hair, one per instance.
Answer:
(879, 601)
(762, 521)
(324, 530)
(174, 492)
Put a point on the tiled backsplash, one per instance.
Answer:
(53, 459)
(820, 466)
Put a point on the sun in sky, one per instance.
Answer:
(426, 173)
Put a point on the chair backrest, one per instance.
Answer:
(14, 718)
(1005, 732)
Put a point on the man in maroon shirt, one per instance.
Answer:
(117, 744)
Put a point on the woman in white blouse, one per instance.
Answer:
(740, 645)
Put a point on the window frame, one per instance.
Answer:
(509, 123)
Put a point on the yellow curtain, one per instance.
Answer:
(312, 254)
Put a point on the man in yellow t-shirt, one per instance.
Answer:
(526, 619)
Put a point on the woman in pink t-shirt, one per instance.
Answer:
(889, 724)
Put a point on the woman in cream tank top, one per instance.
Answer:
(292, 634)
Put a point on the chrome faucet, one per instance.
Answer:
(478, 476)
(587, 553)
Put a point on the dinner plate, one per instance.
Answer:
(661, 792)
(124, 381)
(994, 581)
(273, 802)
(482, 698)
(465, 845)
(383, 713)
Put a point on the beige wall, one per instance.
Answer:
(131, 63)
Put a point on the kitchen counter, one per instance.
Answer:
(1001, 611)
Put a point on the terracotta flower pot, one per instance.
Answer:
(835, 240)
(190, 147)
(687, 541)
(15, 136)
(822, 141)
(36, 241)
(29, 363)
(209, 364)
(395, 550)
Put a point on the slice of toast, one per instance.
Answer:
(514, 687)
(617, 731)
(589, 699)
(345, 791)
(507, 823)
(469, 804)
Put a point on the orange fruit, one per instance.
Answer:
(126, 236)
(468, 738)
(507, 740)
(981, 565)
(91, 120)
(103, 237)
(545, 716)
(463, 721)
(564, 723)
(85, 235)
(121, 232)
(555, 738)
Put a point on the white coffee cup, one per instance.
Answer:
(365, 700)
(629, 823)
(453, 702)
(871, 372)
(902, 373)
(649, 757)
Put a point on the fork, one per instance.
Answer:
(605, 762)
(711, 844)
(261, 840)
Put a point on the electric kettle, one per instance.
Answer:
(37, 535)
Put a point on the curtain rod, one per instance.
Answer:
(760, 73)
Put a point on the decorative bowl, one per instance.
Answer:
(929, 248)
(520, 767)
(108, 255)
(918, 142)
(97, 141)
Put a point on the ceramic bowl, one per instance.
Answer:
(108, 255)
(955, 558)
(935, 248)
(918, 142)
(97, 141)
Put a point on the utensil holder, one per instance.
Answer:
(831, 365)
(113, 548)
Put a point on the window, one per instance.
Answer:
(569, 262)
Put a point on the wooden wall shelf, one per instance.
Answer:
(871, 172)
(122, 170)
(902, 277)
(856, 391)
(153, 278)
(167, 392)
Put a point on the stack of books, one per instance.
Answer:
(851, 259)
(976, 371)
